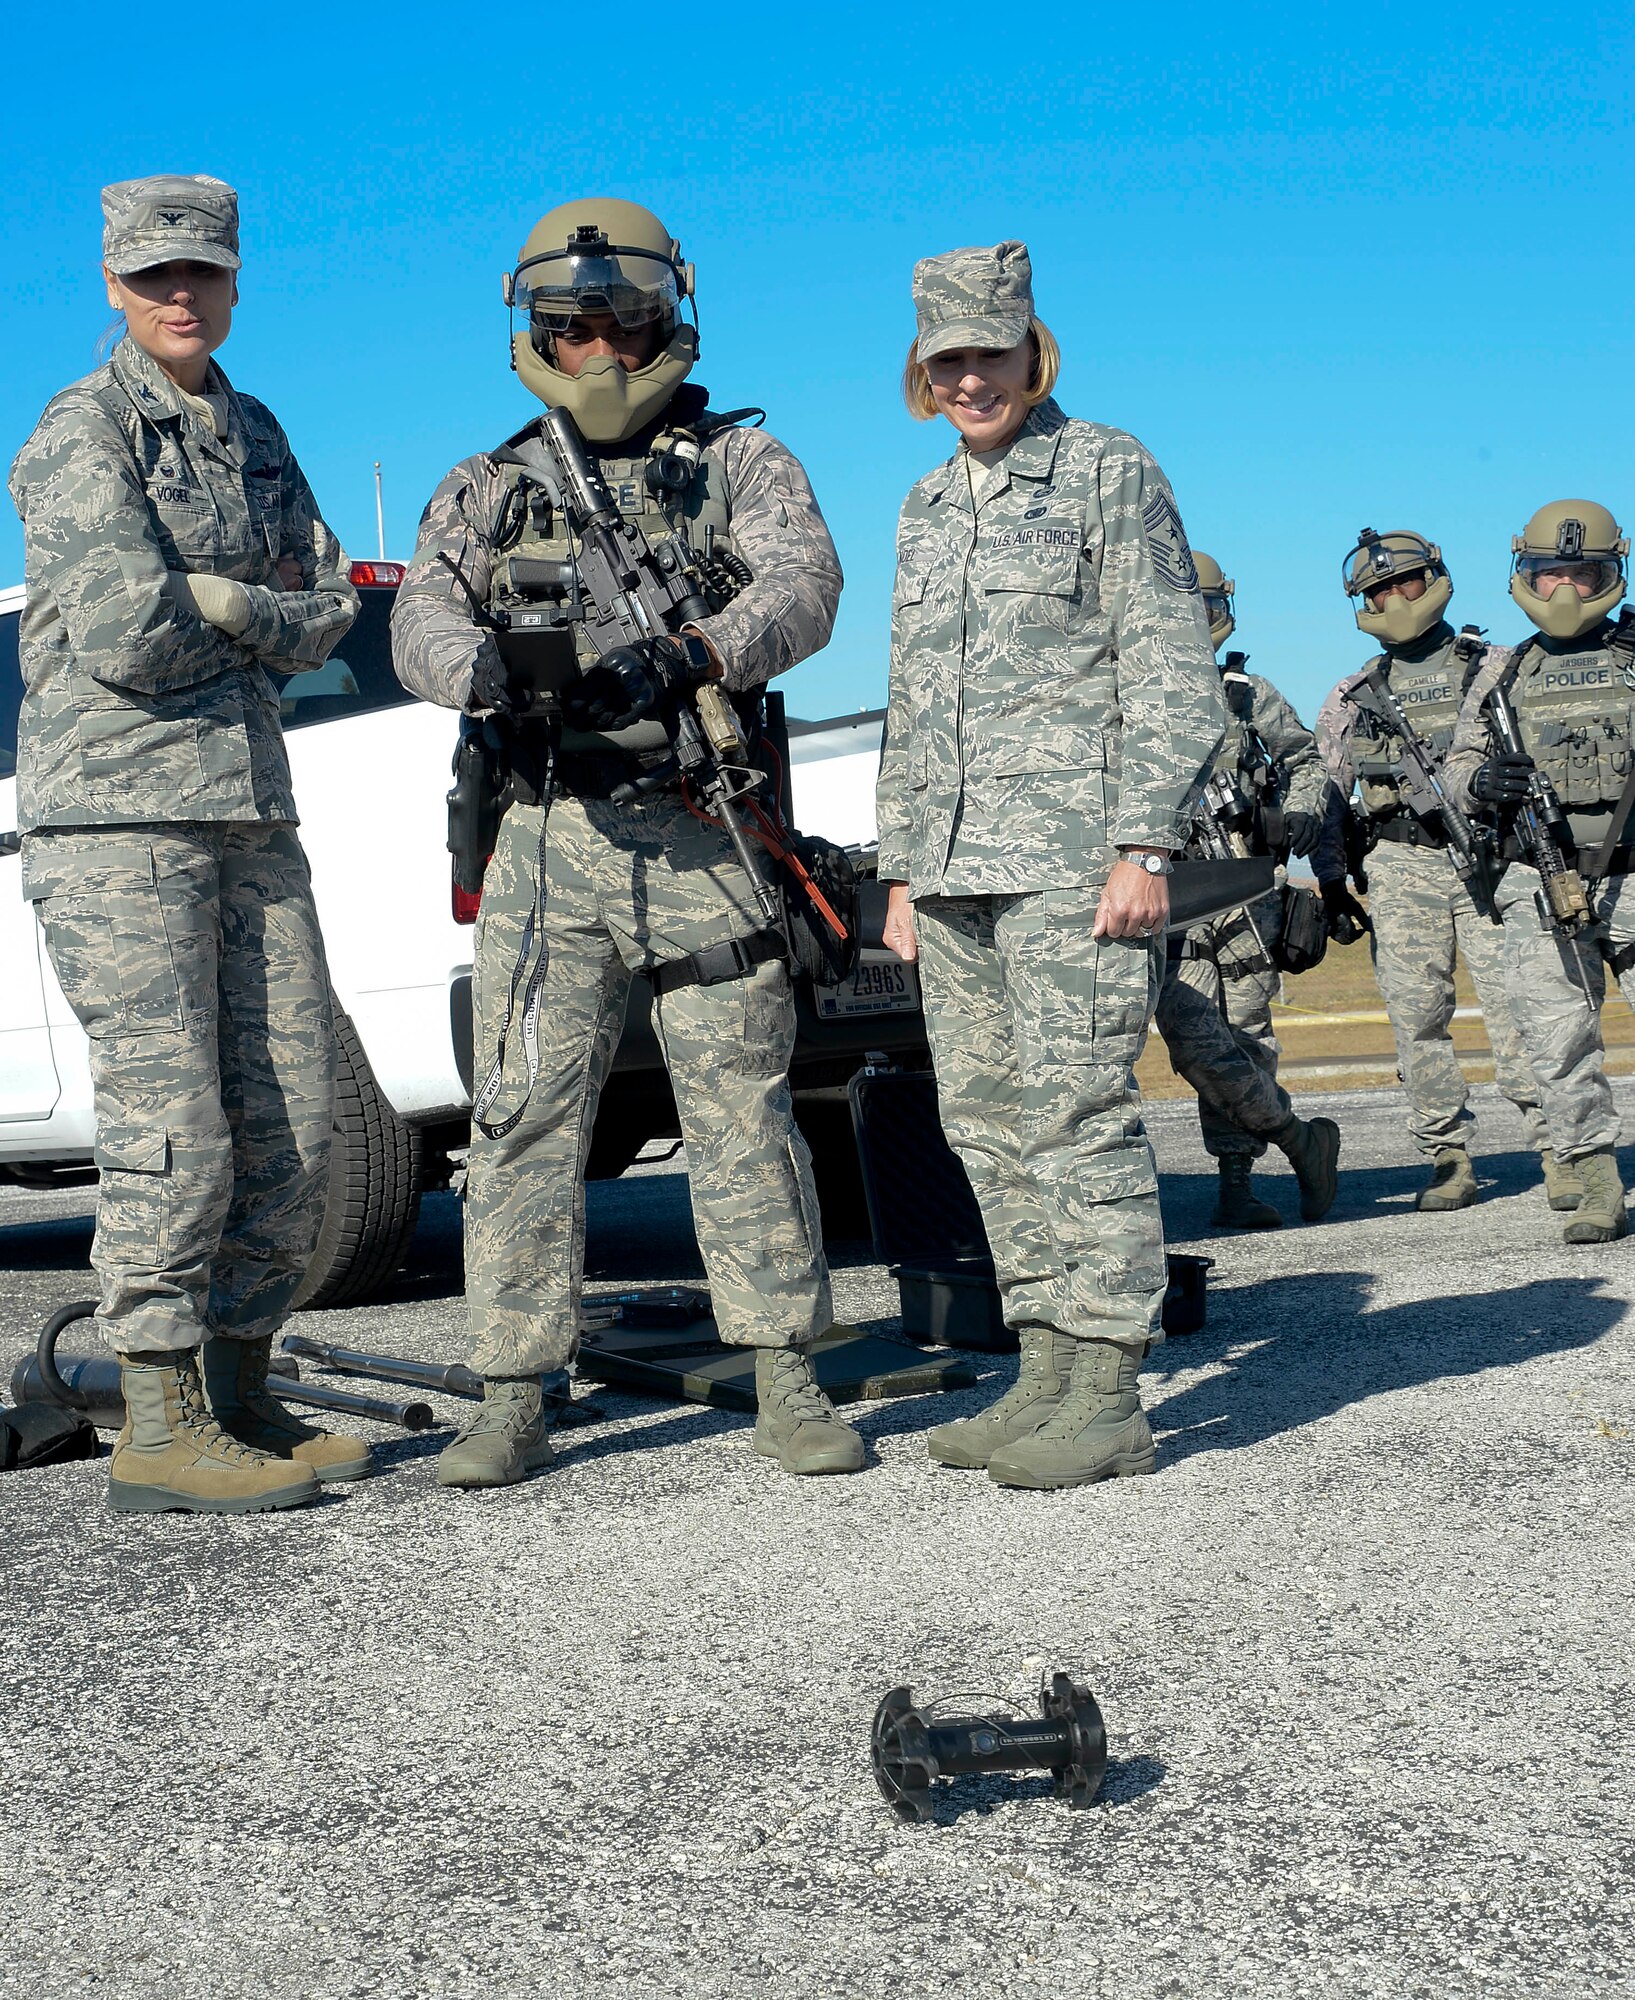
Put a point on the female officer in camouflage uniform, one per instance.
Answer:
(1054, 704)
(173, 553)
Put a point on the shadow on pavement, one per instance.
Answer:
(1317, 1349)
(689, 1423)
(1127, 1779)
(1189, 1198)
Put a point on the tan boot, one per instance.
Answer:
(1563, 1183)
(1098, 1430)
(172, 1456)
(507, 1438)
(1312, 1148)
(1601, 1216)
(1452, 1183)
(797, 1424)
(235, 1381)
(1047, 1362)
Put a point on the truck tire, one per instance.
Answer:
(374, 1186)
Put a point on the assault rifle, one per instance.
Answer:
(1428, 798)
(1262, 772)
(1221, 829)
(624, 590)
(1542, 829)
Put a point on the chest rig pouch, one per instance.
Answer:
(673, 491)
(1431, 691)
(1579, 711)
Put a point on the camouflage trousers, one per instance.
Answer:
(629, 888)
(192, 958)
(1422, 915)
(1035, 1029)
(1556, 989)
(1215, 1015)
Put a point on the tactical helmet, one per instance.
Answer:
(1217, 590)
(1378, 560)
(1574, 548)
(602, 256)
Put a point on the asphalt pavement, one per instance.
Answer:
(1362, 1646)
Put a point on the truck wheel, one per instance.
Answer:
(374, 1186)
(835, 1169)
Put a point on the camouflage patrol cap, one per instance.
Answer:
(973, 298)
(169, 218)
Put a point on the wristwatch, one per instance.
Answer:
(1153, 864)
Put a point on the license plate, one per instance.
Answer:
(886, 986)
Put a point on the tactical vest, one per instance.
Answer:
(666, 492)
(1577, 715)
(1431, 689)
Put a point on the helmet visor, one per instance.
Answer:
(1593, 576)
(636, 287)
(1217, 606)
(1372, 563)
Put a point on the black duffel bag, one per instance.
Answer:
(43, 1434)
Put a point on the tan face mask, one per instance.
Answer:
(1564, 614)
(608, 402)
(1400, 622)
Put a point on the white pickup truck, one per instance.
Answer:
(371, 768)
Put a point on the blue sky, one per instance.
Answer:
(1333, 266)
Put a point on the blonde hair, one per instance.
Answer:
(111, 335)
(1047, 365)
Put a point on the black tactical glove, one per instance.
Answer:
(490, 687)
(1301, 830)
(1347, 919)
(1503, 780)
(635, 681)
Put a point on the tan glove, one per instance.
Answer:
(218, 600)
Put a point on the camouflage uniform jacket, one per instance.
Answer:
(1053, 687)
(135, 709)
(780, 618)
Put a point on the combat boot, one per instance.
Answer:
(1097, 1431)
(1238, 1206)
(235, 1381)
(172, 1455)
(1563, 1183)
(796, 1423)
(1452, 1183)
(1601, 1217)
(1312, 1147)
(1047, 1362)
(503, 1440)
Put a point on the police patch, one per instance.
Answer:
(1167, 544)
